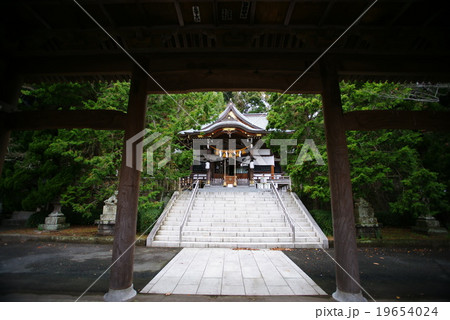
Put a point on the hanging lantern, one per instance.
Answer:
(207, 165)
(252, 165)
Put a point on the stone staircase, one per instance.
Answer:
(236, 220)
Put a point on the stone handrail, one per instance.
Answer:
(161, 218)
(283, 207)
(188, 208)
(308, 215)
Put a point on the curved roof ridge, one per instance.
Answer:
(231, 107)
(237, 120)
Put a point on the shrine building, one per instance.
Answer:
(230, 151)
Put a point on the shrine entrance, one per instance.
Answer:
(230, 171)
(232, 149)
(268, 45)
(233, 173)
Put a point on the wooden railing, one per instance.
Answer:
(185, 183)
(278, 180)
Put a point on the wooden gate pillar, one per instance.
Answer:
(10, 85)
(121, 278)
(344, 232)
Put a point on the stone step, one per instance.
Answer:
(228, 224)
(256, 217)
(285, 238)
(229, 229)
(286, 233)
(186, 244)
(230, 210)
(234, 200)
(220, 219)
(252, 206)
(234, 214)
(180, 205)
(234, 196)
(247, 216)
(236, 220)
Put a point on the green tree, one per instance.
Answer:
(387, 166)
(80, 166)
(248, 102)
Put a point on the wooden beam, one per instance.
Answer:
(75, 65)
(215, 13)
(179, 13)
(121, 278)
(288, 16)
(233, 80)
(40, 120)
(37, 16)
(252, 12)
(378, 30)
(392, 67)
(107, 15)
(400, 13)
(347, 269)
(432, 17)
(396, 119)
(325, 14)
(366, 65)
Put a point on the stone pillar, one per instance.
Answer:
(208, 174)
(108, 218)
(55, 220)
(235, 172)
(121, 278)
(366, 224)
(251, 166)
(224, 172)
(341, 189)
(429, 225)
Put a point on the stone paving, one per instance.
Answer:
(221, 271)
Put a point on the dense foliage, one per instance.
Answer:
(80, 166)
(403, 174)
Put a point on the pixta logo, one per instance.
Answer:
(308, 146)
(136, 144)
